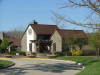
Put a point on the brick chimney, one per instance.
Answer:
(33, 22)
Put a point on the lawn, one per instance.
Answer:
(92, 65)
(5, 63)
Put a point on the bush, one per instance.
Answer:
(78, 53)
(58, 53)
(73, 52)
(14, 53)
(13, 48)
(69, 53)
(63, 53)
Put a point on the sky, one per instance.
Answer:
(19, 13)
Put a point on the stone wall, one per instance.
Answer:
(1, 36)
(56, 38)
(24, 42)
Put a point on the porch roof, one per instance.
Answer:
(41, 41)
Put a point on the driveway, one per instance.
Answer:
(40, 67)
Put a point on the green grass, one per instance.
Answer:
(5, 63)
(92, 65)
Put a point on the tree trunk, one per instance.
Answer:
(98, 53)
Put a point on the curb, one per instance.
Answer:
(7, 66)
(70, 62)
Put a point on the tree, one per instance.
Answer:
(94, 41)
(16, 32)
(58, 21)
(73, 42)
(4, 45)
(81, 41)
(94, 10)
(13, 48)
(92, 5)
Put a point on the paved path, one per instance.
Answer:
(40, 67)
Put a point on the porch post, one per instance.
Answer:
(38, 47)
(9, 49)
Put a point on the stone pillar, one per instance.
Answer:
(9, 48)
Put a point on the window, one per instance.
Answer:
(54, 47)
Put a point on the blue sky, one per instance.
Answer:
(19, 13)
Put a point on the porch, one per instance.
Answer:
(43, 47)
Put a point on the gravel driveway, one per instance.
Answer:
(40, 67)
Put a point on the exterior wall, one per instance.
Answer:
(56, 38)
(31, 37)
(1, 36)
(24, 43)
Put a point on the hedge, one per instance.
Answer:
(14, 53)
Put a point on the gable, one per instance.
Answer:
(55, 35)
(42, 29)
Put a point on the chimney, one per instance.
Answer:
(33, 22)
(1, 35)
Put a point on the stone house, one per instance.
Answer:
(40, 38)
(60, 34)
(36, 38)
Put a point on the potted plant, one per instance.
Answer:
(7, 56)
(51, 55)
(31, 55)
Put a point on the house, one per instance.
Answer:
(60, 34)
(13, 41)
(36, 37)
(40, 38)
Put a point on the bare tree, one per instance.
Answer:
(16, 32)
(58, 21)
(92, 5)
(94, 9)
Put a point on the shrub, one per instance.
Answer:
(73, 52)
(63, 53)
(4, 45)
(14, 53)
(13, 48)
(58, 53)
(69, 53)
(78, 53)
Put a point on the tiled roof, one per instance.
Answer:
(7, 37)
(43, 29)
(72, 33)
(15, 41)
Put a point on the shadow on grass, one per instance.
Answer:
(41, 67)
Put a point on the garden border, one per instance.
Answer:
(7, 66)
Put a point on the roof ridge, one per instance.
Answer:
(69, 29)
(43, 24)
